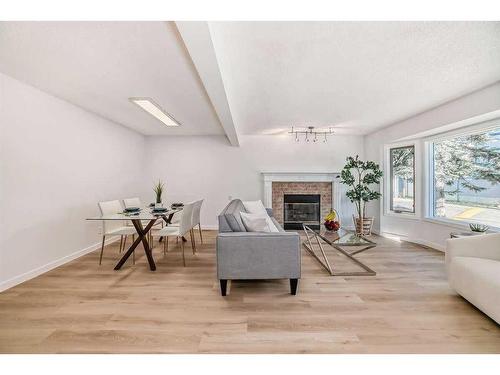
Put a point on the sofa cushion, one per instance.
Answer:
(277, 225)
(230, 218)
(255, 223)
(477, 280)
(223, 225)
(255, 207)
(232, 215)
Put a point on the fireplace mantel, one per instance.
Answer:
(299, 176)
(270, 177)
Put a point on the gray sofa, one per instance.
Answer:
(243, 255)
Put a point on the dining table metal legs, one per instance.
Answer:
(142, 234)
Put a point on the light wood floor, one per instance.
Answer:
(83, 308)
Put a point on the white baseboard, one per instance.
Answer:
(418, 241)
(210, 227)
(50, 266)
(425, 243)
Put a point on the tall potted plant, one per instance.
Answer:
(359, 175)
(158, 189)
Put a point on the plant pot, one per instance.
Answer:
(158, 205)
(367, 225)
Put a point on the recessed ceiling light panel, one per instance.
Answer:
(155, 110)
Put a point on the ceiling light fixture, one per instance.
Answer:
(148, 105)
(311, 132)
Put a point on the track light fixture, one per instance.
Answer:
(311, 132)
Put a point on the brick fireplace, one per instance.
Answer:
(332, 192)
(280, 189)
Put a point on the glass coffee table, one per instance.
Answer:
(338, 241)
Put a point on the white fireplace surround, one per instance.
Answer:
(339, 201)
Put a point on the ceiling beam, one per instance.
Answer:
(198, 41)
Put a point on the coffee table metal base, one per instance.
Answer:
(325, 262)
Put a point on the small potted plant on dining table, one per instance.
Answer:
(360, 175)
(158, 189)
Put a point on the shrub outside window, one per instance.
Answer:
(465, 175)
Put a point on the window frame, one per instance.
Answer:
(387, 189)
(480, 127)
(391, 180)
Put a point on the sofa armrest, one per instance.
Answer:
(254, 255)
(484, 246)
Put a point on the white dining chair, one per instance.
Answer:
(136, 202)
(176, 219)
(114, 227)
(132, 202)
(178, 231)
(196, 217)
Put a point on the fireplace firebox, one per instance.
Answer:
(301, 209)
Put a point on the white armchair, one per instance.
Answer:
(473, 269)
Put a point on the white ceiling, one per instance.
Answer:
(356, 76)
(99, 65)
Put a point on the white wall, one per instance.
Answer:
(57, 162)
(208, 167)
(460, 112)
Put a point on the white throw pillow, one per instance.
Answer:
(255, 222)
(272, 227)
(257, 208)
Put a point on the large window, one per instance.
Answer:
(465, 176)
(402, 179)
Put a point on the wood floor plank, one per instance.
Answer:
(82, 307)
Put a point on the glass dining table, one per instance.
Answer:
(144, 215)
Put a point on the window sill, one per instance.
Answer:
(455, 224)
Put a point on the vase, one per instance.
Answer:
(367, 225)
